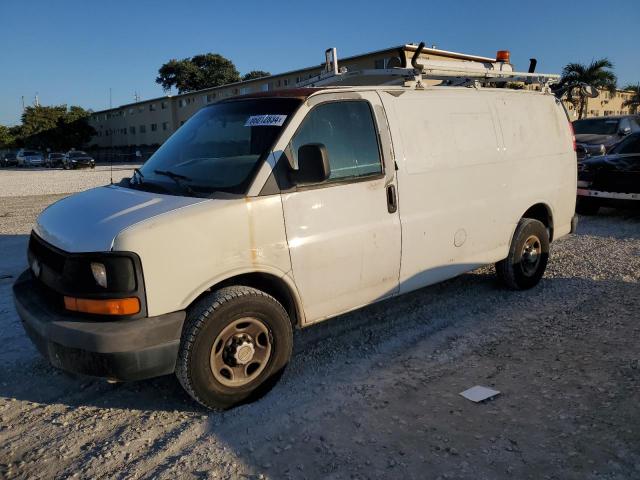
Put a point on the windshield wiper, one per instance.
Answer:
(179, 179)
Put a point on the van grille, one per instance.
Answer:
(45, 254)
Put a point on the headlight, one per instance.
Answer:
(99, 273)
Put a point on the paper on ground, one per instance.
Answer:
(479, 393)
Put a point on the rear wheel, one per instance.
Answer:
(528, 256)
(235, 345)
(587, 206)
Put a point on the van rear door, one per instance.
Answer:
(344, 233)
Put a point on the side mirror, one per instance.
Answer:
(589, 91)
(313, 165)
(625, 131)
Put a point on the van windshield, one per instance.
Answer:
(219, 149)
(595, 127)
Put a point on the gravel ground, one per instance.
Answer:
(371, 394)
(19, 182)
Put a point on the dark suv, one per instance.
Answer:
(598, 135)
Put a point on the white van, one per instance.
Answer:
(274, 211)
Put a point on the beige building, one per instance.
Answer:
(151, 122)
(603, 105)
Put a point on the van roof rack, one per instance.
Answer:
(459, 73)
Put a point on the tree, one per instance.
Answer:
(598, 74)
(196, 73)
(9, 136)
(253, 74)
(634, 102)
(56, 127)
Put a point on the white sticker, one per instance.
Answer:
(265, 121)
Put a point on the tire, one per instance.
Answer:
(587, 206)
(205, 332)
(528, 256)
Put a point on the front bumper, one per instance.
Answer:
(586, 192)
(126, 349)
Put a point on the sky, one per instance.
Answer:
(74, 52)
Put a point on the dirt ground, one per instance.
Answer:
(371, 394)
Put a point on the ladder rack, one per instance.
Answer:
(450, 73)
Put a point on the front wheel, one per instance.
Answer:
(528, 256)
(235, 344)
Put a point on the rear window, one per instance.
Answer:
(30, 153)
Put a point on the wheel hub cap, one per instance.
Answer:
(240, 352)
(531, 252)
(243, 353)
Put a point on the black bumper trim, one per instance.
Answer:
(125, 349)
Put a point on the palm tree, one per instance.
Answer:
(597, 74)
(634, 102)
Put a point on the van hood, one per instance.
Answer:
(91, 220)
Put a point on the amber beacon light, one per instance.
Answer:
(503, 56)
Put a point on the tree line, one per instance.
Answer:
(57, 127)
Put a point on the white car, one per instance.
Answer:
(29, 158)
(267, 213)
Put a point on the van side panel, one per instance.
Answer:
(452, 180)
(471, 162)
(539, 147)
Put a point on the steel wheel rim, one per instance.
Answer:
(240, 352)
(531, 255)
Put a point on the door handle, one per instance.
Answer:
(392, 199)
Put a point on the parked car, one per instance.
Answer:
(612, 179)
(9, 160)
(266, 213)
(29, 158)
(598, 135)
(54, 159)
(78, 159)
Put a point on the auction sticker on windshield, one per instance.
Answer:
(265, 121)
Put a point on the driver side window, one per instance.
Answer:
(348, 132)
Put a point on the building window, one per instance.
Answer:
(152, 107)
(154, 127)
(140, 108)
(181, 122)
(165, 126)
(245, 90)
(132, 130)
(285, 82)
(143, 129)
(381, 63)
(266, 87)
(210, 97)
(163, 105)
(182, 102)
(131, 111)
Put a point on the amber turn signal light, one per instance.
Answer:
(111, 306)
